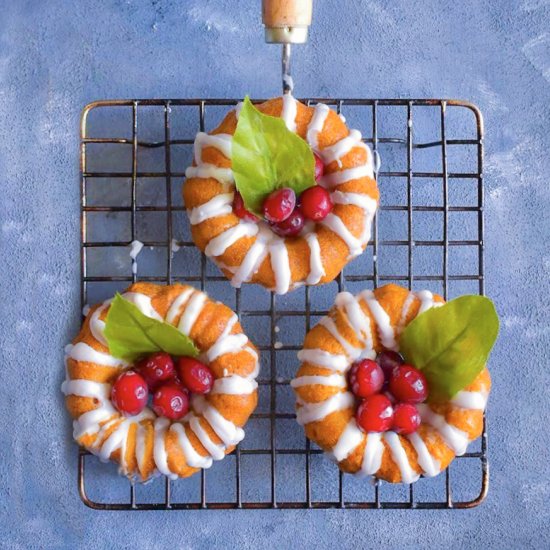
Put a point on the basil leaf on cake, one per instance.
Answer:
(393, 383)
(281, 194)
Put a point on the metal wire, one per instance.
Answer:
(369, 111)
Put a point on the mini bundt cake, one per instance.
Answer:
(358, 329)
(248, 249)
(145, 443)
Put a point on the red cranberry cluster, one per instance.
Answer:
(169, 381)
(286, 213)
(389, 390)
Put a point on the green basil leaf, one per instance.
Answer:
(451, 344)
(131, 334)
(267, 156)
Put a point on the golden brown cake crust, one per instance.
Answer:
(355, 197)
(326, 407)
(148, 443)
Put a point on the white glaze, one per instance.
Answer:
(365, 202)
(219, 205)
(404, 312)
(343, 176)
(359, 322)
(191, 313)
(341, 148)
(143, 303)
(349, 439)
(223, 175)
(382, 319)
(280, 264)
(216, 451)
(456, 439)
(159, 449)
(430, 466)
(332, 380)
(221, 142)
(472, 400)
(177, 304)
(338, 227)
(218, 245)
(399, 456)
(192, 457)
(372, 457)
(234, 385)
(83, 352)
(338, 363)
(313, 412)
(228, 432)
(97, 326)
(351, 351)
(290, 108)
(316, 269)
(86, 388)
(320, 114)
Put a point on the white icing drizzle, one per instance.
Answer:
(404, 312)
(218, 245)
(135, 249)
(313, 412)
(83, 352)
(325, 359)
(227, 342)
(288, 114)
(343, 176)
(341, 148)
(399, 456)
(426, 301)
(216, 451)
(177, 304)
(143, 303)
(316, 269)
(219, 205)
(332, 381)
(191, 313)
(89, 421)
(159, 450)
(337, 226)
(253, 258)
(86, 388)
(351, 351)
(456, 439)
(228, 432)
(222, 142)
(223, 175)
(357, 199)
(192, 457)
(97, 326)
(430, 466)
(358, 321)
(141, 434)
(349, 439)
(320, 114)
(372, 457)
(280, 264)
(382, 319)
(234, 385)
(472, 400)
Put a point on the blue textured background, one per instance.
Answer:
(56, 56)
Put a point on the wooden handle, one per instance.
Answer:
(286, 21)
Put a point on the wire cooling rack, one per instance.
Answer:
(428, 233)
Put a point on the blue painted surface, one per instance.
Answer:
(56, 56)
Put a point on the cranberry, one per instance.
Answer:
(375, 413)
(405, 418)
(279, 205)
(366, 378)
(315, 203)
(171, 401)
(319, 167)
(240, 209)
(291, 226)
(156, 368)
(129, 393)
(388, 360)
(196, 376)
(408, 384)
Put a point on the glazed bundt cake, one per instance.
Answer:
(338, 365)
(194, 418)
(340, 208)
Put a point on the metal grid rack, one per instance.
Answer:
(380, 494)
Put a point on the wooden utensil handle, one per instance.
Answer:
(286, 21)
